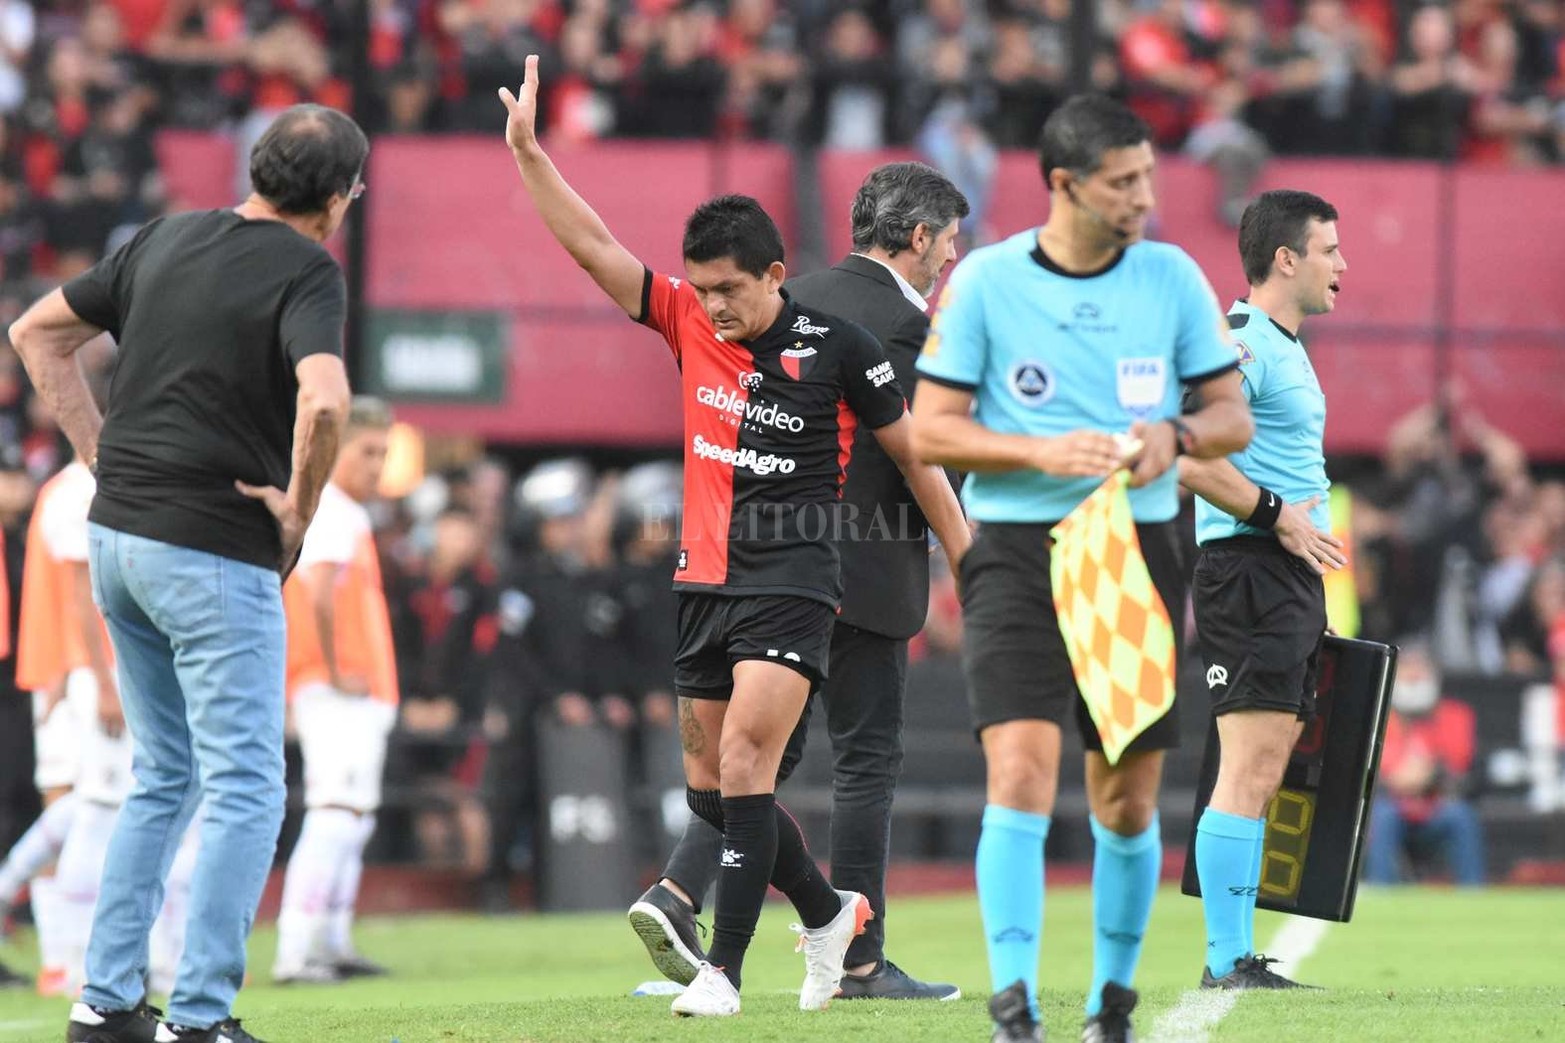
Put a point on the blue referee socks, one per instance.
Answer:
(1125, 872)
(1228, 863)
(1010, 895)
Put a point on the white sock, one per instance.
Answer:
(345, 889)
(77, 878)
(167, 943)
(47, 917)
(307, 886)
(39, 846)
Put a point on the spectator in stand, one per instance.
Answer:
(1511, 117)
(581, 105)
(21, 230)
(17, 28)
(853, 81)
(1167, 79)
(759, 43)
(679, 85)
(1348, 109)
(196, 52)
(492, 37)
(1432, 87)
(1421, 802)
(1027, 81)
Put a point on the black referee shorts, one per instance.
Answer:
(1012, 651)
(1260, 619)
(718, 630)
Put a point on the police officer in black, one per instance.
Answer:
(905, 223)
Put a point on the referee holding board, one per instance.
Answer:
(1260, 604)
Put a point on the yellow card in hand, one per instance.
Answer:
(1116, 627)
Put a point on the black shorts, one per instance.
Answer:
(718, 630)
(1260, 618)
(1012, 652)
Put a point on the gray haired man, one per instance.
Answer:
(905, 223)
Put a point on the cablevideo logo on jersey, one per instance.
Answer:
(761, 464)
(735, 404)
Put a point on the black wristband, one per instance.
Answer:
(1184, 438)
(1267, 509)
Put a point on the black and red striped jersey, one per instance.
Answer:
(769, 428)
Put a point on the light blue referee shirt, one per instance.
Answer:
(1287, 453)
(1046, 352)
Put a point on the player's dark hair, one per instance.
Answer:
(735, 227)
(1079, 132)
(1280, 217)
(309, 154)
(898, 197)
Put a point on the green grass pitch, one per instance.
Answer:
(1431, 966)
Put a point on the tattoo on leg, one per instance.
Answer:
(691, 738)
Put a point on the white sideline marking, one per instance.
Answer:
(1199, 1010)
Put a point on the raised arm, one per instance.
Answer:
(47, 337)
(570, 220)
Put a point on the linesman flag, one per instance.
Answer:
(1115, 625)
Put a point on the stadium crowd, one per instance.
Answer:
(84, 84)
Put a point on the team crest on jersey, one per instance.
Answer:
(1032, 383)
(1246, 356)
(797, 360)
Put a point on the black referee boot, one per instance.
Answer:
(1112, 1023)
(1012, 1016)
(1250, 972)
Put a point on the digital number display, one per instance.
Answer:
(1316, 824)
(1286, 848)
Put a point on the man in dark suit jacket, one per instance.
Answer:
(905, 222)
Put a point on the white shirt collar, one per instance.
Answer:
(914, 297)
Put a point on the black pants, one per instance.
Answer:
(863, 699)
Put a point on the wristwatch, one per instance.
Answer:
(1184, 438)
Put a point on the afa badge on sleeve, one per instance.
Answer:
(1245, 354)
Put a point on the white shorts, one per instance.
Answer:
(104, 776)
(57, 744)
(343, 739)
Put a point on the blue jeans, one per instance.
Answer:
(200, 645)
(1454, 829)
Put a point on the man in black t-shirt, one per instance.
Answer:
(773, 394)
(230, 388)
(905, 222)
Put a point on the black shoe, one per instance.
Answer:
(9, 979)
(91, 1025)
(1112, 1023)
(1012, 1016)
(228, 1031)
(354, 965)
(667, 927)
(890, 982)
(1250, 972)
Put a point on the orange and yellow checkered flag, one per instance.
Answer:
(1116, 627)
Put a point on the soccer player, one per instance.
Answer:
(342, 680)
(1046, 347)
(1260, 604)
(906, 217)
(60, 625)
(772, 396)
